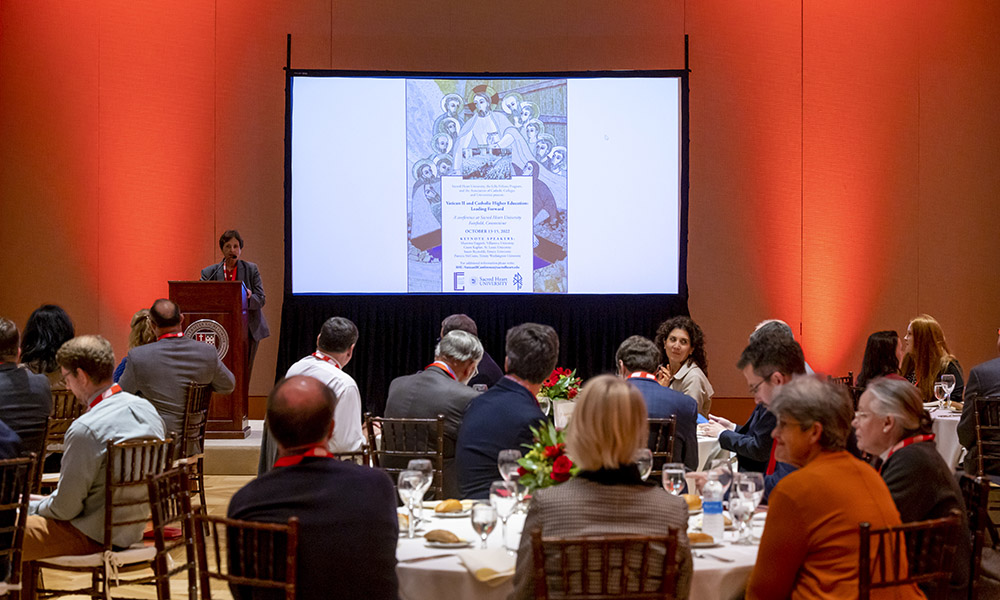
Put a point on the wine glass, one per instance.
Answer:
(644, 460)
(723, 469)
(484, 519)
(507, 463)
(503, 497)
(545, 404)
(410, 486)
(427, 469)
(673, 478)
(940, 392)
(949, 385)
(749, 491)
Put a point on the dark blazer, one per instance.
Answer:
(160, 372)
(751, 441)
(10, 443)
(348, 527)
(25, 404)
(489, 372)
(425, 395)
(663, 402)
(984, 380)
(923, 487)
(249, 274)
(496, 420)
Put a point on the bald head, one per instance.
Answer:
(300, 412)
(165, 314)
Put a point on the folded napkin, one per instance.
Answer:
(492, 567)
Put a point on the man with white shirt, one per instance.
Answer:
(334, 349)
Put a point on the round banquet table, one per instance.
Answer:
(945, 427)
(447, 577)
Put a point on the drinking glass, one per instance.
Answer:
(410, 487)
(723, 469)
(507, 463)
(949, 385)
(503, 497)
(545, 404)
(940, 392)
(644, 460)
(749, 491)
(484, 519)
(427, 469)
(673, 478)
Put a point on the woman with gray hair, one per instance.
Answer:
(809, 548)
(891, 423)
(607, 497)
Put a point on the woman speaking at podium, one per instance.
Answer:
(233, 269)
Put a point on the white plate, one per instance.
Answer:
(694, 512)
(466, 504)
(448, 545)
(705, 545)
(453, 515)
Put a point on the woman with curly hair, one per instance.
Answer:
(686, 366)
(48, 328)
(927, 357)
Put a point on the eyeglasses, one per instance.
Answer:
(783, 424)
(753, 388)
(860, 414)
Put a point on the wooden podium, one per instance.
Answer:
(215, 312)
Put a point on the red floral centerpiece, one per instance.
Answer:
(562, 384)
(546, 463)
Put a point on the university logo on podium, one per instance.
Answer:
(210, 332)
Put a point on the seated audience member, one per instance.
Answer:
(10, 443)
(160, 372)
(767, 363)
(776, 327)
(489, 371)
(47, 329)
(891, 423)
(140, 334)
(686, 368)
(926, 358)
(71, 519)
(607, 497)
(500, 418)
(25, 400)
(882, 354)
(637, 361)
(347, 513)
(809, 548)
(984, 380)
(334, 349)
(440, 389)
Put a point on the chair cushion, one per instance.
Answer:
(136, 553)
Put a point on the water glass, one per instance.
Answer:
(749, 491)
(507, 463)
(410, 488)
(673, 478)
(427, 469)
(940, 392)
(484, 519)
(949, 385)
(724, 470)
(503, 497)
(644, 460)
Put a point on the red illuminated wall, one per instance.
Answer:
(843, 154)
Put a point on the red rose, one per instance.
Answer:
(553, 451)
(560, 469)
(521, 471)
(572, 393)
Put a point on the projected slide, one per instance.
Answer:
(446, 185)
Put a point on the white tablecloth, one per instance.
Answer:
(708, 448)
(447, 578)
(945, 427)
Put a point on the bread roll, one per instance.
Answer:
(447, 506)
(697, 537)
(441, 535)
(404, 521)
(694, 502)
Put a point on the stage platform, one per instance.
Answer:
(234, 457)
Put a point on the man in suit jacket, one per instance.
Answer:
(160, 372)
(637, 359)
(25, 399)
(234, 269)
(348, 528)
(499, 419)
(440, 389)
(984, 380)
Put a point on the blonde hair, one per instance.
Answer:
(142, 330)
(609, 424)
(928, 356)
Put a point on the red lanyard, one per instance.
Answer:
(444, 367)
(294, 459)
(171, 335)
(328, 359)
(643, 374)
(111, 391)
(772, 462)
(926, 437)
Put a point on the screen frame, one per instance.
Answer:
(684, 179)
